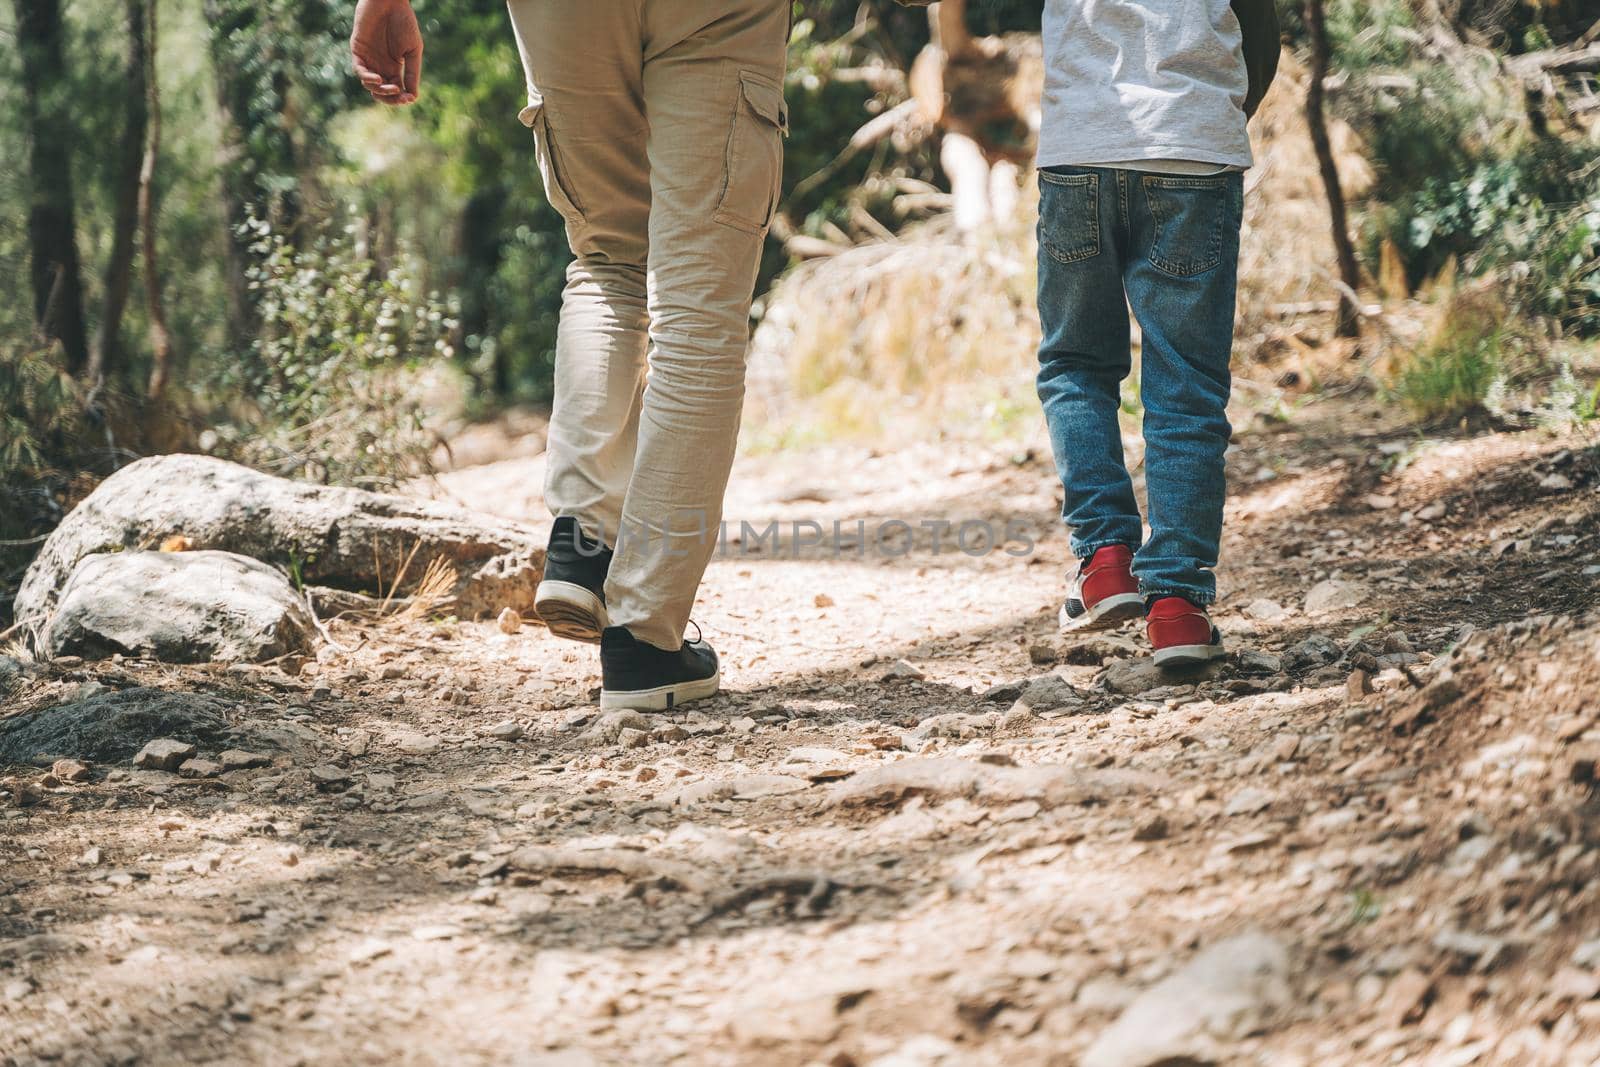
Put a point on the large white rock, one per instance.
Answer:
(181, 607)
(335, 536)
(1226, 992)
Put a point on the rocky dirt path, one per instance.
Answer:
(920, 828)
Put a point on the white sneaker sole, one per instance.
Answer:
(1111, 612)
(662, 697)
(571, 611)
(1188, 655)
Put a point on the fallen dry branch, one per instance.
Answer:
(812, 891)
(547, 859)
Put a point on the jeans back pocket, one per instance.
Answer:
(1191, 217)
(1069, 215)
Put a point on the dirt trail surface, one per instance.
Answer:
(920, 828)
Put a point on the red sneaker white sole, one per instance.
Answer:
(1109, 613)
(1188, 655)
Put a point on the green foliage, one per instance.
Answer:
(1474, 350)
(41, 423)
(1370, 33)
(333, 380)
(40, 409)
(1525, 207)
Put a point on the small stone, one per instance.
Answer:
(1334, 594)
(672, 733)
(1155, 828)
(1285, 748)
(628, 737)
(1020, 811)
(91, 857)
(606, 729)
(328, 777)
(321, 691)
(1555, 483)
(508, 620)
(235, 759)
(70, 770)
(163, 754)
(1406, 998)
(823, 600)
(289, 857)
(1587, 955)
(505, 731)
(1315, 651)
(1248, 843)
(369, 950)
(1255, 661)
(806, 754)
(418, 744)
(1380, 502)
(1048, 692)
(743, 725)
(1484, 949)
(1574, 728)
(1359, 685)
(1042, 655)
(1248, 801)
(1264, 610)
(436, 932)
(902, 671)
(17, 989)
(1433, 512)
(1004, 693)
(199, 768)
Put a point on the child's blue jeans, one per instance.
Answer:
(1168, 247)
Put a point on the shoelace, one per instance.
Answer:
(698, 636)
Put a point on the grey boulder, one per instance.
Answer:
(341, 537)
(180, 607)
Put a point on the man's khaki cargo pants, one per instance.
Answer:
(659, 126)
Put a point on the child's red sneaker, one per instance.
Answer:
(1181, 633)
(1104, 594)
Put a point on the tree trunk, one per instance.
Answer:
(228, 22)
(52, 221)
(1349, 315)
(160, 336)
(105, 358)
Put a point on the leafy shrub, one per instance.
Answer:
(1463, 180)
(41, 425)
(1473, 349)
(331, 390)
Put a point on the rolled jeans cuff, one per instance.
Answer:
(1202, 597)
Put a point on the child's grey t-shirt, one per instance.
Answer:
(1134, 80)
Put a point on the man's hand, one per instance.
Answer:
(387, 47)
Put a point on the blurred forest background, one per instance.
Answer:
(216, 242)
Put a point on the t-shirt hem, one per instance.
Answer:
(1064, 157)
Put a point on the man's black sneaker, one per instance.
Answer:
(571, 599)
(642, 677)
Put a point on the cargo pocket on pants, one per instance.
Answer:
(753, 178)
(556, 190)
